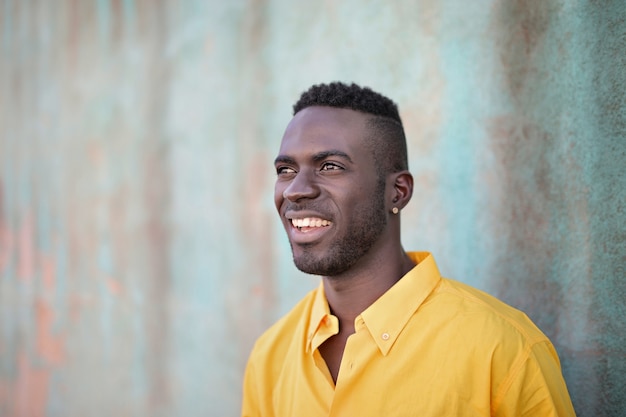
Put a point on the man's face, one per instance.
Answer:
(328, 193)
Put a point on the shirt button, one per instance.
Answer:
(385, 336)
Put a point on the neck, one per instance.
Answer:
(350, 293)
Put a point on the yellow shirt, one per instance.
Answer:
(427, 347)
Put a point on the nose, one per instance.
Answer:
(301, 186)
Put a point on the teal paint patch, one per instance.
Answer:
(104, 18)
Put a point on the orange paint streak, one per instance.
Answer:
(47, 272)
(32, 389)
(114, 286)
(6, 245)
(7, 395)
(25, 265)
(49, 347)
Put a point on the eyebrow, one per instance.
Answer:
(320, 156)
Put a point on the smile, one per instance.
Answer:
(309, 223)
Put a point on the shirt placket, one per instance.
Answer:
(352, 365)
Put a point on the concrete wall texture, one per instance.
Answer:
(140, 255)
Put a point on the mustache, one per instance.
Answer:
(309, 206)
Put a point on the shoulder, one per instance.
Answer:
(523, 365)
(488, 312)
(268, 357)
(291, 327)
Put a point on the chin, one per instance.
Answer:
(323, 265)
(307, 264)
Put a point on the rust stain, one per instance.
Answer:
(48, 266)
(73, 32)
(429, 17)
(258, 281)
(49, 347)
(114, 286)
(96, 154)
(522, 26)
(6, 398)
(120, 206)
(31, 389)
(539, 212)
(524, 212)
(7, 244)
(156, 199)
(422, 122)
(6, 237)
(26, 245)
(117, 21)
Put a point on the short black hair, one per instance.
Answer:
(388, 142)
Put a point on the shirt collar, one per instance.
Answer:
(388, 315)
(322, 324)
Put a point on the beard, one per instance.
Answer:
(367, 225)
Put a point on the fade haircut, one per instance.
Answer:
(386, 140)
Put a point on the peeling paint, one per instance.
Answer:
(140, 252)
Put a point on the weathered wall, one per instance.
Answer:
(139, 251)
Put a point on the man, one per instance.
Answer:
(384, 334)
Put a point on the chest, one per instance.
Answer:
(405, 382)
(331, 352)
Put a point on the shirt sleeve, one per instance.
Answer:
(536, 387)
(250, 406)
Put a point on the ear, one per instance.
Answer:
(401, 189)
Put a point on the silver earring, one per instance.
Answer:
(394, 210)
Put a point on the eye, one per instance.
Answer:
(331, 166)
(283, 170)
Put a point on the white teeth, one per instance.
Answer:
(310, 222)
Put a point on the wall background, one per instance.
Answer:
(140, 255)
